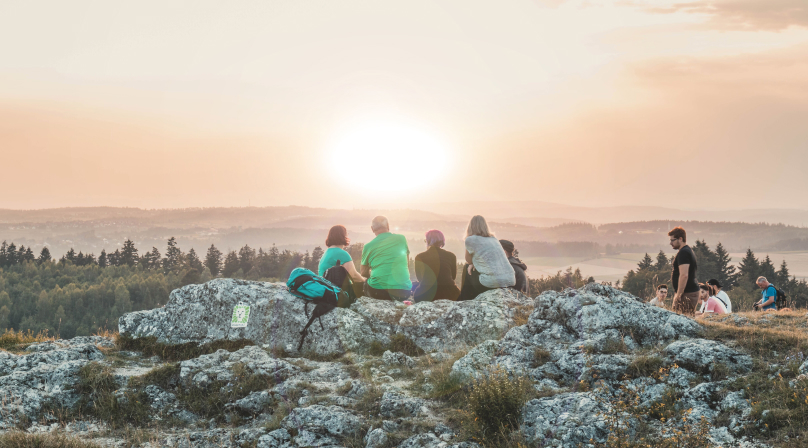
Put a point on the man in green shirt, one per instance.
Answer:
(384, 263)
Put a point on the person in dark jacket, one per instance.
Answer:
(435, 270)
(519, 268)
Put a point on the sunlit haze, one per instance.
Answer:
(362, 103)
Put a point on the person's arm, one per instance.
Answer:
(453, 268)
(419, 269)
(683, 273)
(770, 300)
(355, 276)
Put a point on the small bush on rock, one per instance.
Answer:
(211, 401)
(150, 346)
(96, 386)
(540, 357)
(496, 400)
(644, 366)
(403, 344)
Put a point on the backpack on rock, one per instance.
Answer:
(314, 289)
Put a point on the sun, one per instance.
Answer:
(386, 157)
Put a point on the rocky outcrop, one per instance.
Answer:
(202, 314)
(44, 375)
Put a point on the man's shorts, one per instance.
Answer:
(687, 303)
(386, 294)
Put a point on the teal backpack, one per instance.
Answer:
(314, 289)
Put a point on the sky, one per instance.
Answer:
(349, 104)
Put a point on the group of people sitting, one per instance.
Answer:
(384, 269)
(712, 300)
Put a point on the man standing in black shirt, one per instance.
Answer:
(683, 277)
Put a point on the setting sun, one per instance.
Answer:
(387, 157)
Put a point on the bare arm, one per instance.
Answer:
(683, 276)
(365, 271)
(769, 302)
(469, 258)
(355, 276)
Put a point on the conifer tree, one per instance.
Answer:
(767, 269)
(231, 264)
(152, 260)
(246, 257)
(174, 256)
(193, 260)
(646, 262)
(44, 256)
(3, 255)
(749, 267)
(11, 255)
(317, 255)
(128, 254)
(726, 273)
(70, 256)
(102, 259)
(213, 260)
(661, 260)
(782, 278)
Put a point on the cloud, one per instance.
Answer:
(771, 15)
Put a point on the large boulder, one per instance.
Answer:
(573, 419)
(202, 314)
(44, 375)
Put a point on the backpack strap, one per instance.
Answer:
(300, 280)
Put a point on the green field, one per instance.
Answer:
(614, 267)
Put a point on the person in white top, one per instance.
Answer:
(710, 304)
(722, 297)
(487, 264)
(661, 295)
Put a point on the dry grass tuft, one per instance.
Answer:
(18, 439)
(17, 340)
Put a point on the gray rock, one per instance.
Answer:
(254, 403)
(376, 438)
(43, 375)
(426, 440)
(202, 313)
(702, 356)
(397, 359)
(396, 405)
(218, 366)
(276, 439)
(476, 361)
(159, 398)
(702, 400)
(572, 418)
(323, 420)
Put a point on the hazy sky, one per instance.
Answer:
(694, 104)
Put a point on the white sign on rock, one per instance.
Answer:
(241, 314)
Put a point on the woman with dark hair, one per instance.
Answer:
(436, 270)
(337, 242)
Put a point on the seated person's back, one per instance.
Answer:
(386, 259)
(436, 270)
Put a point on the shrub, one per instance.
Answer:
(210, 401)
(644, 366)
(496, 401)
(403, 344)
(540, 357)
(614, 346)
(14, 340)
(96, 385)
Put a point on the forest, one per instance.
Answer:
(79, 294)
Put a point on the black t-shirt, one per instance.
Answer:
(685, 256)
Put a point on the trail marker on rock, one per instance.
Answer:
(241, 314)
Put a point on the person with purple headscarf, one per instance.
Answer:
(436, 270)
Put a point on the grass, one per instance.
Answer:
(760, 341)
(496, 401)
(96, 386)
(150, 346)
(644, 365)
(18, 439)
(12, 340)
(210, 401)
(398, 343)
(541, 356)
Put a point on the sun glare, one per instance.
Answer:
(385, 157)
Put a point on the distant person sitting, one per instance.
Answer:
(769, 300)
(722, 297)
(709, 303)
(519, 268)
(683, 276)
(487, 265)
(385, 263)
(337, 255)
(661, 295)
(436, 270)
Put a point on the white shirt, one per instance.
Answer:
(724, 299)
(489, 258)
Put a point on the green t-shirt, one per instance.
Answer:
(387, 255)
(330, 258)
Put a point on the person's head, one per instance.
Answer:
(435, 238)
(507, 246)
(704, 292)
(762, 282)
(715, 285)
(379, 225)
(338, 236)
(678, 237)
(662, 291)
(478, 226)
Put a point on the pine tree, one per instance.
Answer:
(661, 261)
(726, 273)
(29, 254)
(70, 256)
(44, 256)
(4, 255)
(231, 264)
(114, 258)
(152, 260)
(317, 255)
(645, 263)
(174, 256)
(102, 259)
(749, 267)
(767, 269)
(213, 260)
(128, 255)
(11, 255)
(246, 256)
(782, 278)
(193, 261)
